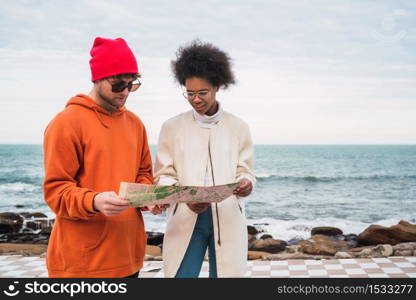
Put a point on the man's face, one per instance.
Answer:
(112, 101)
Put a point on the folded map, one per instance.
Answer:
(144, 194)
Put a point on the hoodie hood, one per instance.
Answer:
(88, 103)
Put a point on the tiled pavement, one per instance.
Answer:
(19, 266)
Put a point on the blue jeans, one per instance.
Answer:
(202, 237)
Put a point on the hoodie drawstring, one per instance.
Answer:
(99, 118)
(216, 204)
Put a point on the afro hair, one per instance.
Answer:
(205, 61)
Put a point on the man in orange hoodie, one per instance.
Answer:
(89, 148)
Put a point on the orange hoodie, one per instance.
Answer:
(87, 150)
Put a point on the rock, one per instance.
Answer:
(253, 230)
(385, 250)
(250, 241)
(351, 239)
(359, 249)
(34, 215)
(24, 238)
(251, 237)
(154, 238)
(19, 206)
(10, 222)
(46, 231)
(323, 245)
(342, 255)
(268, 245)
(153, 250)
(404, 249)
(33, 225)
(326, 230)
(405, 246)
(23, 222)
(252, 255)
(293, 249)
(313, 248)
(41, 240)
(294, 241)
(266, 236)
(36, 223)
(376, 234)
(403, 252)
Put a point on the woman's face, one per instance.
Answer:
(201, 95)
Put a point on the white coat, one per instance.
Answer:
(183, 154)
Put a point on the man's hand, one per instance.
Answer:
(110, 204)
(157, 209)
(244, 188)
(198, 207)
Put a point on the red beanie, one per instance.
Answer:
(111, 57)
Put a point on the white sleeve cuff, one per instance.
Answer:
(165, 180)
(244, 176)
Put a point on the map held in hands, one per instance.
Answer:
(144, 194)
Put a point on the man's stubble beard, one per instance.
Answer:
(109, 101)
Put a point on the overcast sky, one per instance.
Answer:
(308, 72)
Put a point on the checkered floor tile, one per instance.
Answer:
(19, 266)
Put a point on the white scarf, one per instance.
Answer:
(205, 121)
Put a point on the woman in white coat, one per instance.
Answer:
(205, 146)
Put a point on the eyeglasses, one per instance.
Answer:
(191, 95)
(119, 86)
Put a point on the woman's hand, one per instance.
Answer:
(157, 209)
(244, 188)
(198, 207)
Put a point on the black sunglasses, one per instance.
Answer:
(119, 86)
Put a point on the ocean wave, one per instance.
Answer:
(11, 178)
(275, 177)
(17, 187)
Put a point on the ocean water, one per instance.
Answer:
(298, 187)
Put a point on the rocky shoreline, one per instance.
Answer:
(28, 234)
(330, 242)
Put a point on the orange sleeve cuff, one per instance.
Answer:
(89, 202)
